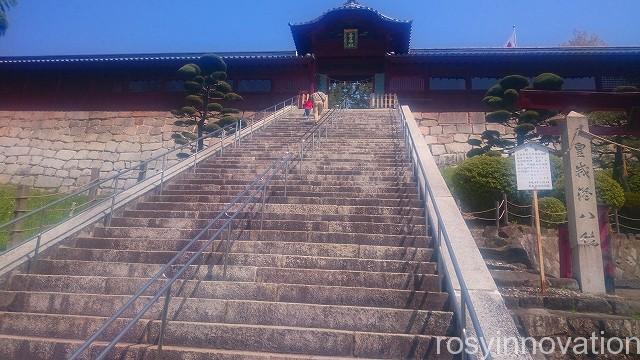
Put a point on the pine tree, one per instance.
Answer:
(205, 90)
(5, 5)
(502, 98)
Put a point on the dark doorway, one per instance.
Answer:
(354, 94)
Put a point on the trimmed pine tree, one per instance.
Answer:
(206, 90)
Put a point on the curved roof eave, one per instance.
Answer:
(350, 7)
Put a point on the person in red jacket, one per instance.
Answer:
(308, 106)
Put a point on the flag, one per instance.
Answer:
(512, 42)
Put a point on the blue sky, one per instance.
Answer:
(66, 27)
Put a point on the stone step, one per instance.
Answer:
(259, 338)
(199, 310)
(204, 215)
(307, 175)
(289, 208)
(290, 293)
(277, 186)
(280, 224)
(278, 196)
(285, 209)
(294, 182)
(226, 173)
(301, 201)
(345, 164)
(247, 259)
(413, 240)
(384, 280)
(35, 348)
(266, 247)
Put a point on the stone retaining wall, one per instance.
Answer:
(447, 133)
(626, 248)
(57, 150)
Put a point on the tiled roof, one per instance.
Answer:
(146, 57)
(530, 51)
(352, 5)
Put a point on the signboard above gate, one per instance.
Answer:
(351, 38)
(533, 167)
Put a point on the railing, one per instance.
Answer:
(384, 101)
(254, 194)
(438, 202)
(123, 180)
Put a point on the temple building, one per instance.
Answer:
(349, 43)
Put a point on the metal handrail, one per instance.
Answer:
(230, 131)
(253, 191)
(466, 304)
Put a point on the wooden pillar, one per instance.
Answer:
(582, 207)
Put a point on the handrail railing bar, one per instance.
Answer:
(92, 185)
(274, 168)
(98, 182)
(170, 283)
(464, 291)
(163, 269)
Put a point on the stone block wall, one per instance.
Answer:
(57, 150)
(447, 133)
(626, 248)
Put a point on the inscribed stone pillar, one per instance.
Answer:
(582, 207)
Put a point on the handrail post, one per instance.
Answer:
(113, 200)
(506, 209)
(286, 174)
(164, 164)
(227, 248)
(264, 199)
(301, 156)
(36, 252)
(463, 326)
(616, 219)
(195, 160)
(165, 312)
(498, 215)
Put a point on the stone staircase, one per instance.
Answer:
(342, 268)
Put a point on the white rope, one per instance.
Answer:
(520, 206)
(609, 141)
(627, 218)
(628, 227)
(522, 216)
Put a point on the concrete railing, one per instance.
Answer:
(481, 314)
(24, 253)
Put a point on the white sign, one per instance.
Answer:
(533, 168)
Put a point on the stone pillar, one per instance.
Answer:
(582, 207)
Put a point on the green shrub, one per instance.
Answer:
(447, 174)
(552, 211)
(493, 102)
(609, 192)
(634, 182)
(631, 206)
(548, 81)
(516, 82)
(481, 180)
(498, 116)
(495, 90)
